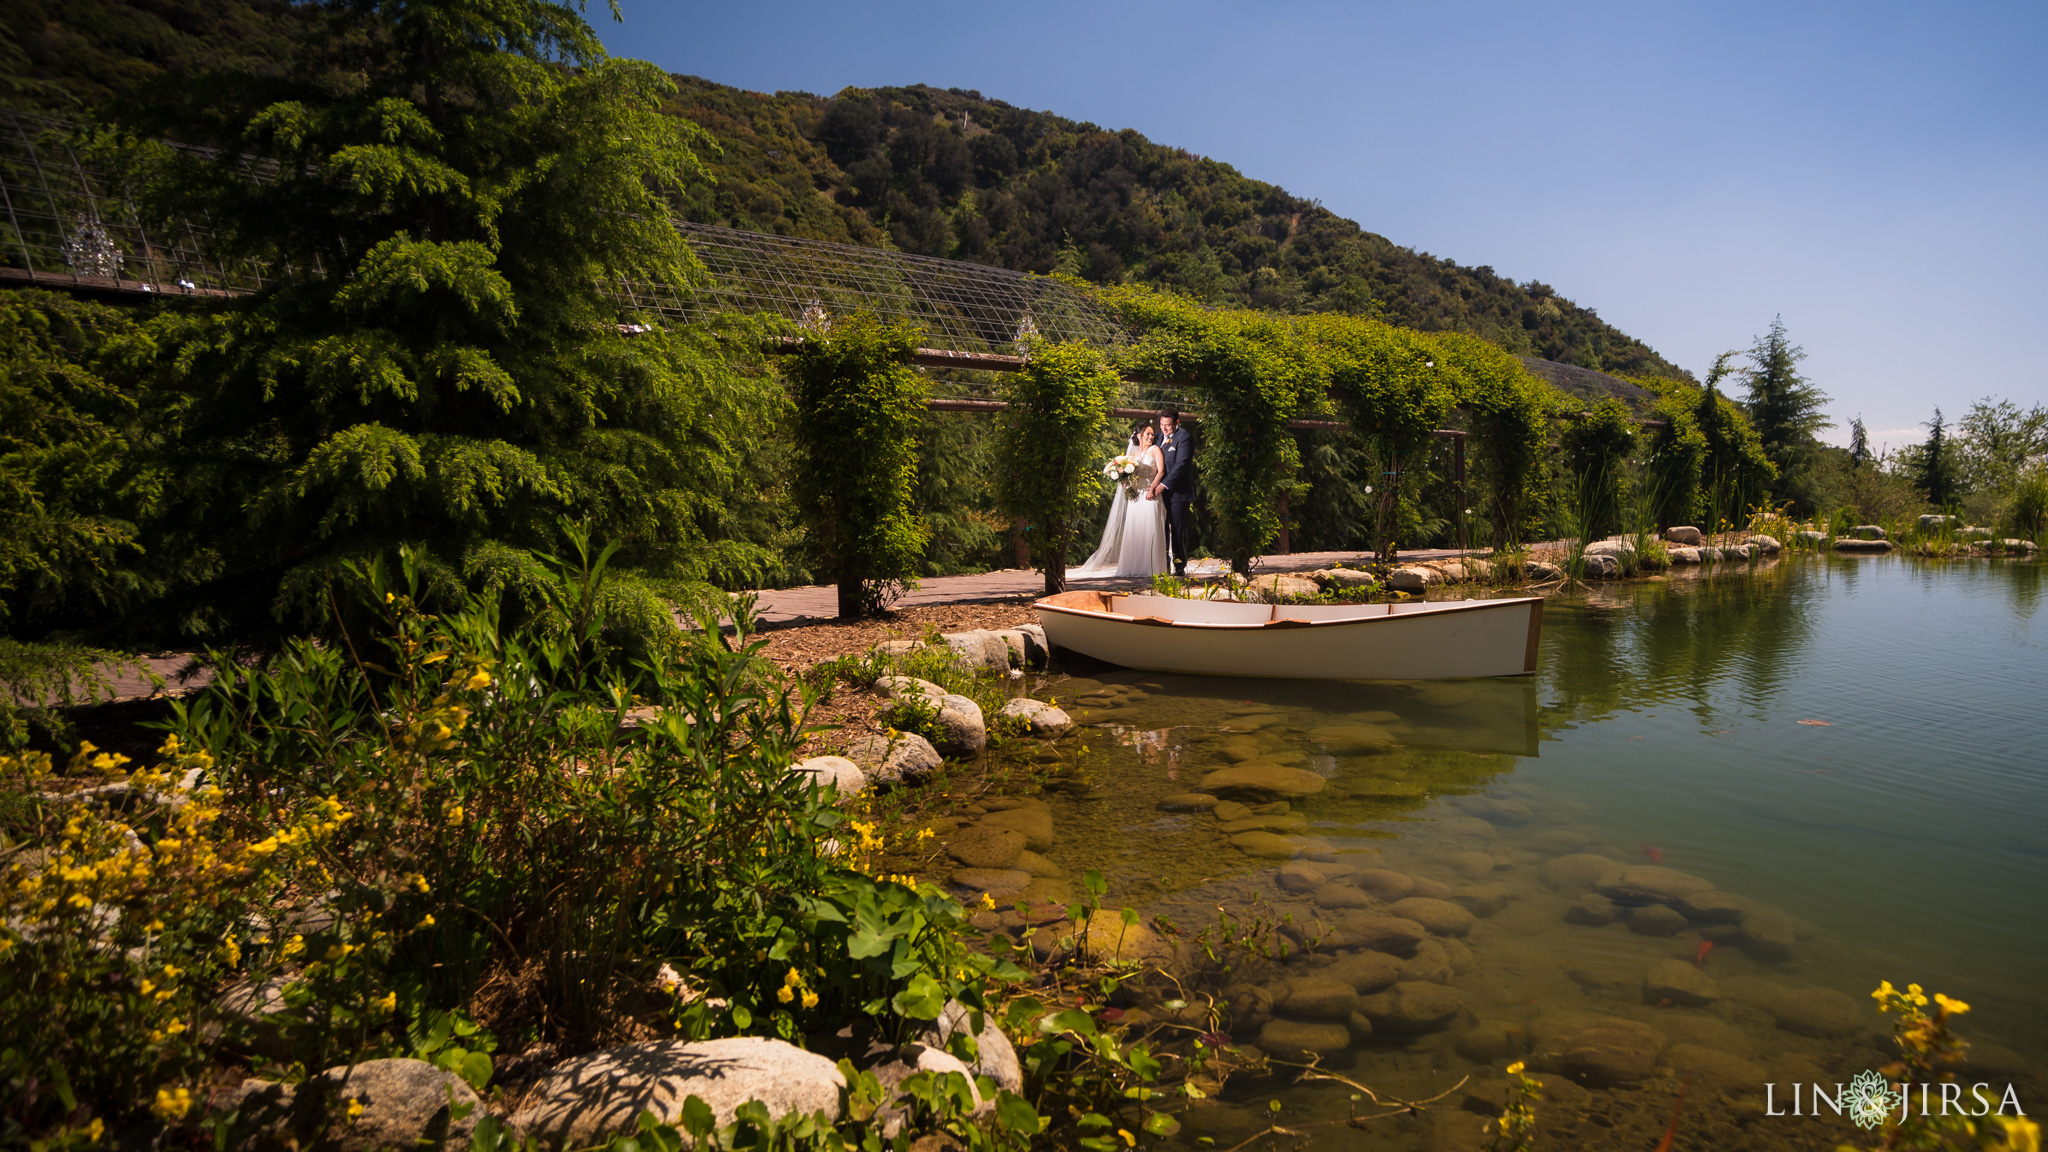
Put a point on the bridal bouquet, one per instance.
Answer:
(1120, 469)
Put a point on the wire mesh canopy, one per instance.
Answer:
(961, 307)
(68, 225)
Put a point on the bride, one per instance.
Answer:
(1134, 537)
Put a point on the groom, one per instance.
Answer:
(1177, 483)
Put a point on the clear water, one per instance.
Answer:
(1904, 834)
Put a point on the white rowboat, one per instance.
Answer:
(1413, 641)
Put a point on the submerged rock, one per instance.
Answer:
(1352, 739)
(1713, 1069)
(1412, 1006)
(1769, 936)
(1610, 1052)
(1364, 971)
(1264, 779)
(1295, 1039)
(1386, 885)
(986, 847)
(1440, 917)
(1680, 983)
(1575, 872)
(1317, 998)
(1033, 820)
(1649, 883)
(1655, 920)
(1187, 802)
(1808, 1011)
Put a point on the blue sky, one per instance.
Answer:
(1876, 173)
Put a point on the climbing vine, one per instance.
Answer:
(1507, 414)
(1048, 473)
(858, 409)
(1596, 449)
(1250, 378)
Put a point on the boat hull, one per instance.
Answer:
(1403, 642)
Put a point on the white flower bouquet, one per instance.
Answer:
(1120, 469)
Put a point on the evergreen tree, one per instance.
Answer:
(1933, 465)
(450, 200)
(1859, 443)
(1784, 408)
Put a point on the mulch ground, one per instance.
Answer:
(797, 648)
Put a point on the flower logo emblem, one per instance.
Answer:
(1869, 1099)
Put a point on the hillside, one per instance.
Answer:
(938, 172)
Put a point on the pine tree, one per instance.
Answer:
(1785, 409)
(1859, 443)
(1934, 465)
(451, 196)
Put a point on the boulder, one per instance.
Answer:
(1577, 871)
(1868, 532)
(1296, 1039)
(1709, 554)
(1273, 589)
(405, 1104)
(1412, 1006)
(1440, 917)
(1263, 779)
(907, 758)
(1615, 548)
(1934, 522)
(961, 729)
(1285, 822)
(1037, 865)
(256, 1008)
(900, 648)
(902, 687)
(1712, 907)
(1038, 718)
(1655, 920)
(1976, 533)
(1610, 1052)
(1682, 555)
(1647, 883)
(1680, 983)
(1187, 802)
(1812, 536)
(1592, 910)
(1230, 811)
(588, 1099)
(1852, 544)
(2019, 545)
(986, 847)
(1494, 1042)
(1414, 578)
(835, 772)
(1685, 534)
(1738, 552)
(1353, 929)
(980, 650)
(1034, 821)
(1107, 937)
(1470, 865)
(1543, 573)
(1345, 579)
(1036, 649)
(1763, 545)
(995, 1057)
(1268, 845)
(1558, 842)
(909, 1061)
(1602, 566)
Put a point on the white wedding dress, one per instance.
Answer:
(1134, 536)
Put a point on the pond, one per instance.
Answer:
(1834, 770)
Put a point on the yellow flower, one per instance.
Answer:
(171, 1104)
(1952, 1007)
(785, 994)
(388, 1002)
(419, 882)
(988, 900)
(355, 1109)
(810, 998)
(94, 1131)
(2021, 1134)
(481, 679)
(427, 921)
(925, 834)
(294, 946)
(1515, 1069)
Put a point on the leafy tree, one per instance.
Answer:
(449, 199)
(1785, 409)
(1933, 465)
(1047, 470)
(858, 410)
(1736, 472)
(1996, 442)
(1596, 450)
(1676, 454)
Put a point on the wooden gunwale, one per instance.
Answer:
(1535, 617)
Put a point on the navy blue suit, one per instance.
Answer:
(1178, 477)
